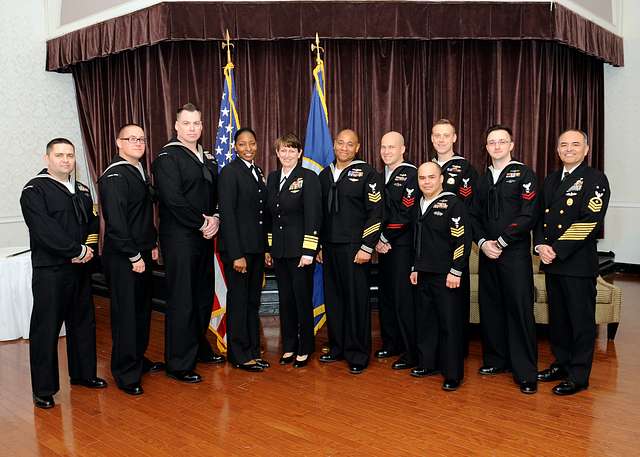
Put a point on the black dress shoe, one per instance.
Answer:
(487, 370)
(422, 372)
(250, 367)
(149, 366)
(402, 364)
(567, 388)
(211, 358)
(450, 385)
(132, 389)
(356, 368)
(300, 363)
(329, 358)
(188, 376)
(553, 373)
(287, 360)
(384, 353)
(528, 387)
(91, 383)
(263, 363)
(43, 401)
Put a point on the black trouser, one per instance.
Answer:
(396, 305)
(346, 293)
(506, 313)
(572, 324)
(131, 295)
(465, 292)
(61, 294)
(243, 304)
(189, 273)
(439, 323)
(295, 292)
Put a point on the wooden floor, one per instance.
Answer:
(323, 410)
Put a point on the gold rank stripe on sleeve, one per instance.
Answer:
(310, 242)
(270, 239)
(92, 238)
(457, 232)
(595, 204)
(374, 228)
(458, 252)
(578, 231)
(375, 197)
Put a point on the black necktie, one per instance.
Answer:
(252, 169)
(564, 175)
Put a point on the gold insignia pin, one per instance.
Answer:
(569, 201)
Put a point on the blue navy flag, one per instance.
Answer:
(318, 153)
(228, 122)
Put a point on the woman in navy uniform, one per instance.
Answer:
(294, 204)
(243, 243)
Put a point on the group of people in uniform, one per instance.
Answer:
(421, 222)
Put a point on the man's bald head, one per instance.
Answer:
(392, 149)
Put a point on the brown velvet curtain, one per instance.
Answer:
(537, 87)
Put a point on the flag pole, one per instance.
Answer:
(316, 47)
(228, 45)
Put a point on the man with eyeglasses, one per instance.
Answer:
(505, 210)
(186, 178)
(396, 307)
(574, 202)
(459, 178)
(130, 246)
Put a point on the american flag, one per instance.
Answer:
(228, 124)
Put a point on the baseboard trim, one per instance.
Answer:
(620, 267)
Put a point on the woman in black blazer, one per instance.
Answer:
(243, 242)
(294, 203)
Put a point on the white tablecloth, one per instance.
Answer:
(16, 300)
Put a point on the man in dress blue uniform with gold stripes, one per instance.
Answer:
(63, 233)
(575, 201)
(352, 216)
(442, 247)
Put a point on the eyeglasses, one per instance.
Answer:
(498, 142)
(135, 140)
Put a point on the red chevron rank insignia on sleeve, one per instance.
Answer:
(465, 192)
(527, 193)
(409, 199)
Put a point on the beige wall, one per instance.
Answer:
(622, 164)
(36, 107)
